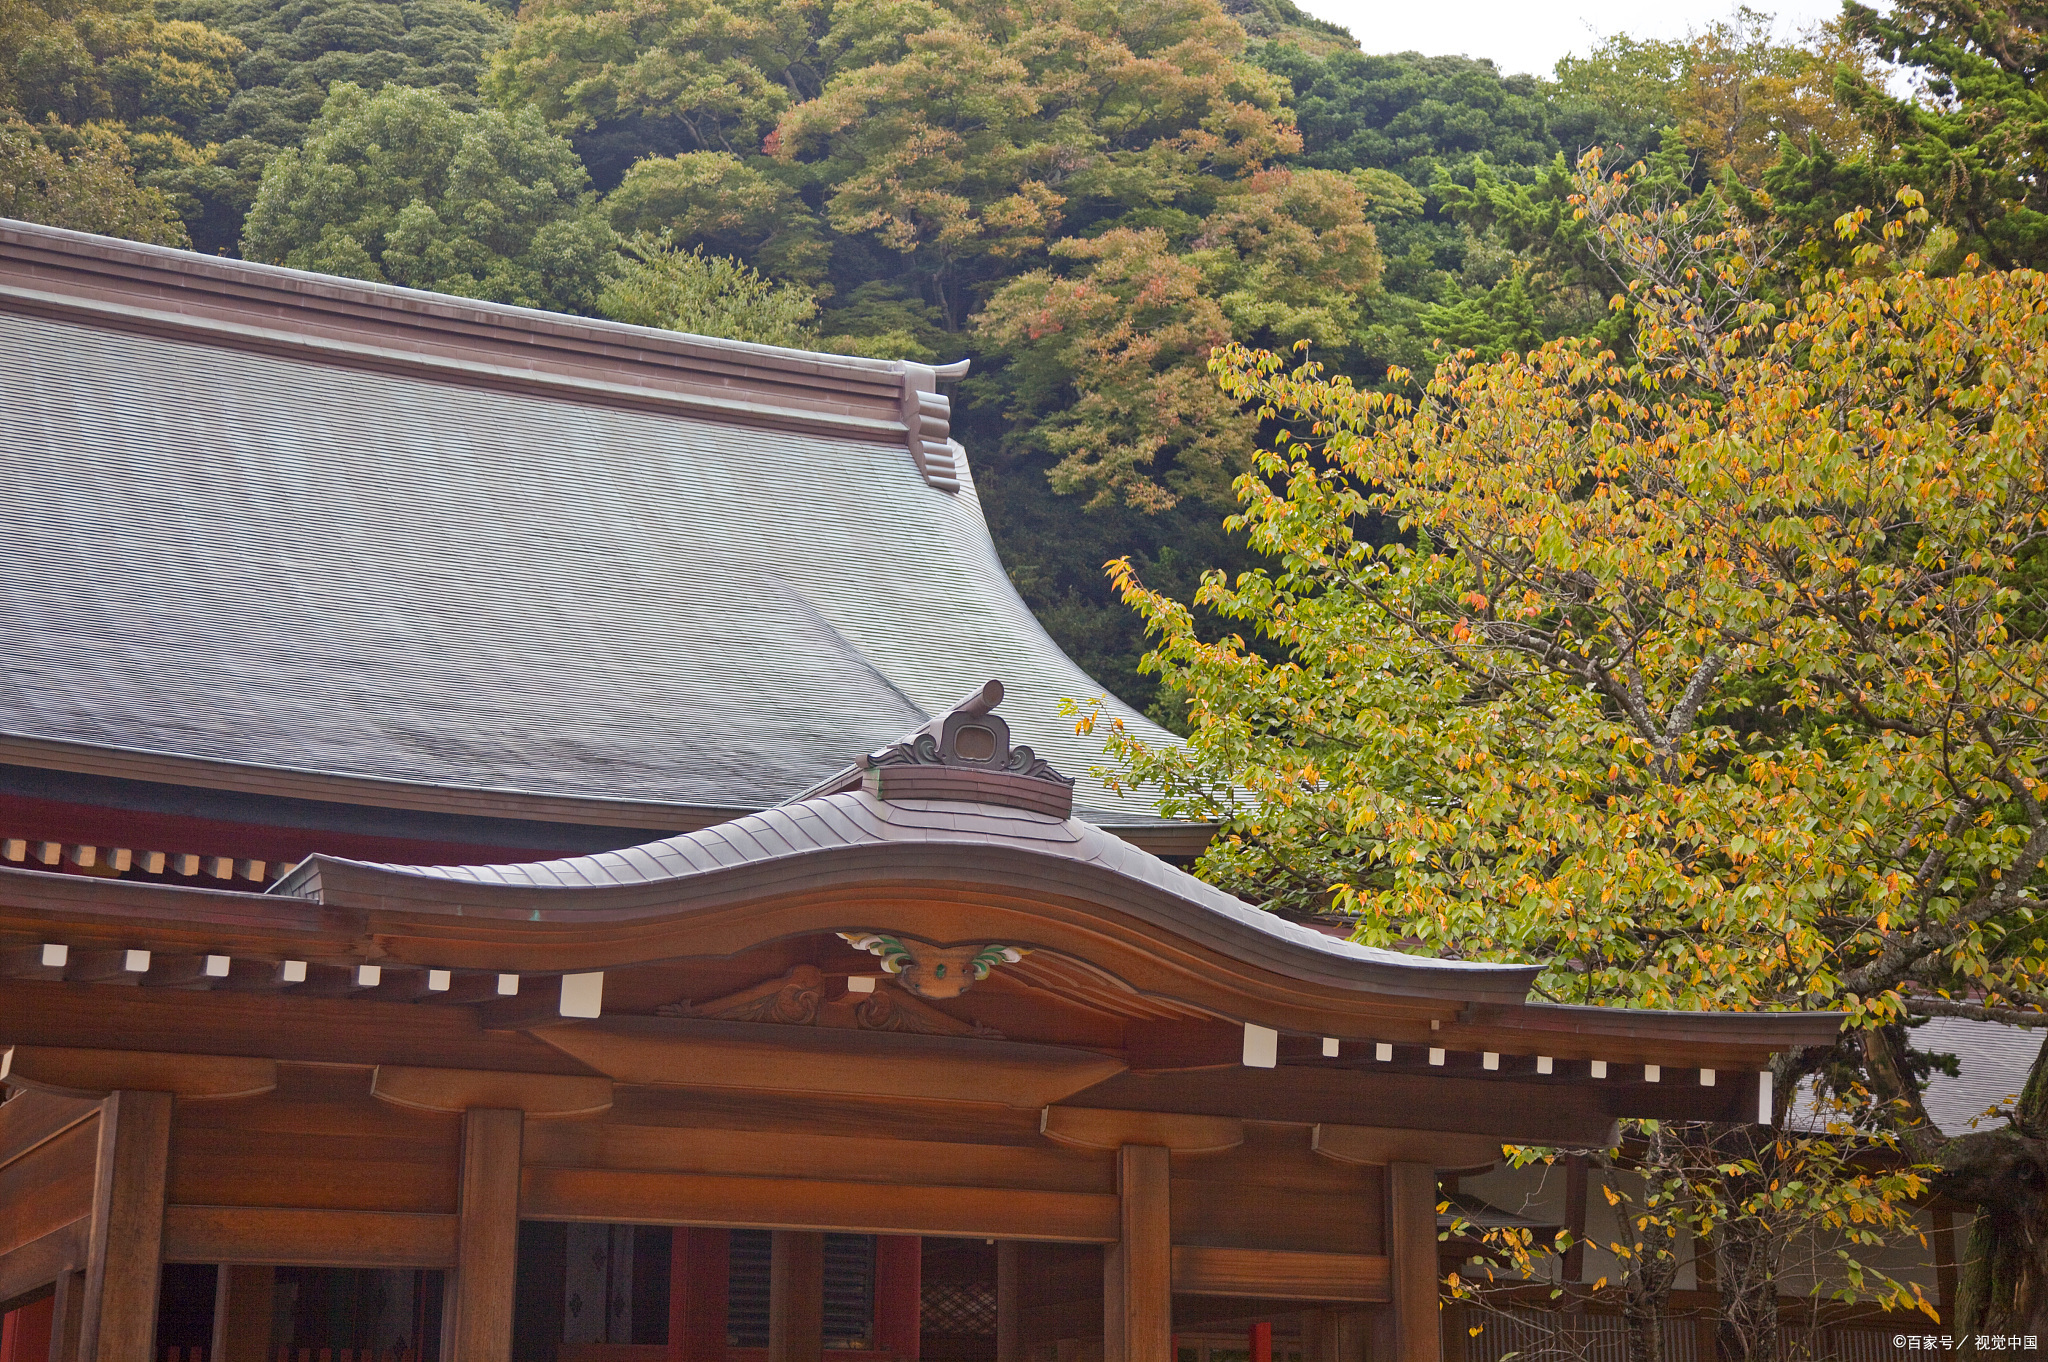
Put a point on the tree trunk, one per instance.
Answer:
(1646, 1285)
(1645, 1292)
(2002, 1286)
(1749, 1251)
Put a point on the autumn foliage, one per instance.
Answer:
(1709, 677)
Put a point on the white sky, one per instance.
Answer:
(1530, 35)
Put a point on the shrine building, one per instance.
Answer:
(510, 848)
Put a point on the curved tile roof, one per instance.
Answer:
(858, 820)
(239, 554)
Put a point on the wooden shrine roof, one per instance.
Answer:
(806, 948)
(853, 837)
(316, 538)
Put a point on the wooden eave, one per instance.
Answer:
(1129, 931)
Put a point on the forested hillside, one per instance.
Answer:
(1084, 196)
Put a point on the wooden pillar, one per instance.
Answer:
(1137, 1270)
(1411, 1245)
(67, 1317)
(699, 1275)
(1261, 1341)
(1009, 1301)
(124, 1266)
(1575, 1225)
(899, 1294)
(796, 1296)
(476, 1312)
(242, 1304)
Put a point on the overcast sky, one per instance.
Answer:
(1530, 35)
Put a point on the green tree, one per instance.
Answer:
(399, 186)
(1412, 114)
(722, 204)
(707, 295)
(1975, 149)
(119, 64)
(92, 189)
(1423, 134)
(1708, 679)
(670, 76)
(296, 50)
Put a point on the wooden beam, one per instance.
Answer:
(820, 1060)
(121, 965)
(1138, 1272)
(33, 1118)
(126, 1255)
(279, 1236)
(1089, 1128)
(1274, 1274)
(462, 1089)
(1411, 1245)
(628, 1197)
(281, 1026)
(796, 1296)
(41, 1261)
(243, 1306)
(478, 1328)
(69, 1072)
(42, 961)
(805, 1114)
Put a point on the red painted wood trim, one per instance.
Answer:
(899, 1294)
(25, 1333)
(698, 1275)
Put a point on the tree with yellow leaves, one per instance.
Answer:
(1712, 677)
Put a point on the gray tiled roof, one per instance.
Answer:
(1992, 1060)
(229, 555)
(859, 819)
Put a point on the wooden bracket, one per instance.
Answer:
(1093, 1128)
(461, 1089)
(95, 1073)
(1382, 1145)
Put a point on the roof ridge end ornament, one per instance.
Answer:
(966, 755)
(928, 420)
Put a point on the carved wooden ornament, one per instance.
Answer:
(798, 999)
(933, 971)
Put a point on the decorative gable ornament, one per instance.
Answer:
(933, 971)
(966, 756)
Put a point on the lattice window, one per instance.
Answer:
(959, 1308)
